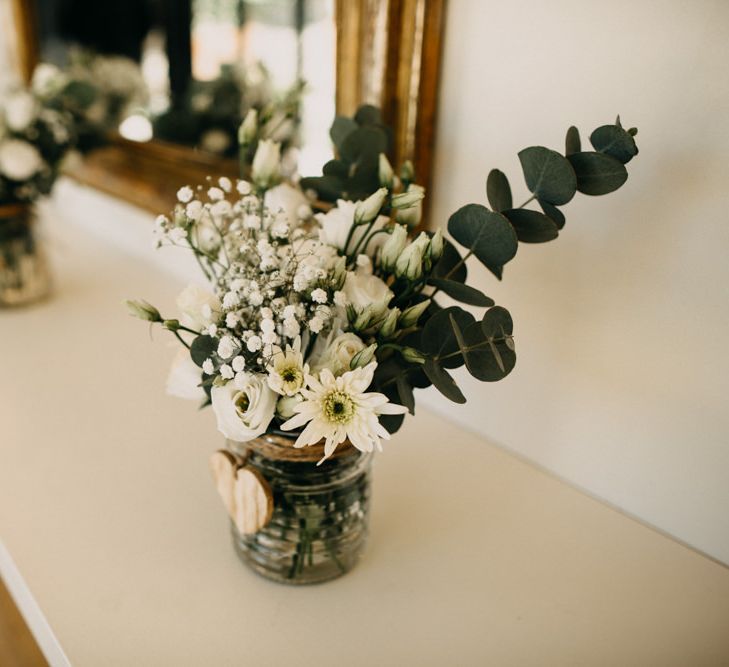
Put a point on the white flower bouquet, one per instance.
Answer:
(321, 325)
(34, 139)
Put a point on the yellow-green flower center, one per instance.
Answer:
(338, 407)
(291, 374)
(241, 402)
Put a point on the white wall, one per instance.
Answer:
(622, 324)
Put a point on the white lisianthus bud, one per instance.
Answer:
(411, 315)
(409, 209)
(364, 318)
(367, 210)
(363, 357)
(286, 404)
(389, 326)
(411, 355)
(144, 311)
(385, 171)
(248, 128)
(410, 197)
(410, 263)
(436, 246)
(266, 164)
(392, 248)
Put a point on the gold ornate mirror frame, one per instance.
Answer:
(388, 54)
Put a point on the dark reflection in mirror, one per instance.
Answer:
(203, 65)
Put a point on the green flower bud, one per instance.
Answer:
(409, 264)
(171, 325)
(389, 326)
(339, 274)
(363, 357)
(248, 128)
(436, 246)
(367, 210)
(364, 318)
(411, 355)
(413, 195)
(144, 311)
(385, 172)
(409, 209)
(411, 315)
(392, 248)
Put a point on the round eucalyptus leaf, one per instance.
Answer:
(498, 191)
(439, 340)
(443, 381)
(548, 174)
(597, 173)
(572, 143)
(553, 212)
(202, 348)
(532, 226)
(488, 234)
(448, 261)
(461, 292)
(341, 128)
(614, 141)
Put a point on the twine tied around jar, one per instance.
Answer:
(245, 492)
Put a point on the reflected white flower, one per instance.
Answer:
(338, 408)
(19, 160)
(20, 110)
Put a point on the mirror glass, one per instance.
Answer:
(189, 71)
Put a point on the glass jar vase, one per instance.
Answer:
(24, 276)
(319, 522)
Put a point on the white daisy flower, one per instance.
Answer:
(287, 370)
(337, 408)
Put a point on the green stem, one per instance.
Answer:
(532, 198)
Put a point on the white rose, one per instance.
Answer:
(184, 378)
(244, 408)
(287, 198)
(199, 307)
(336, 223)
(19, 160)
(20, 110)
(362, 289)
(338, 353)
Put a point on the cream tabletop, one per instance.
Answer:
(117, 548)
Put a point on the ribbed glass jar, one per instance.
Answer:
(320, 513)
(24, 276)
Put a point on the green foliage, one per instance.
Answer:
(488, 235)
(460, 292)
(354, 173)
(202, 348)
(498, 191)
(597, 173)
(614, 141)
(532, 226)
(572, 143)
(548, 175)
